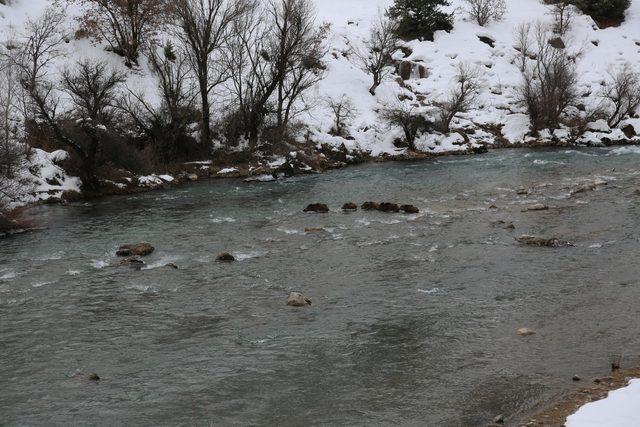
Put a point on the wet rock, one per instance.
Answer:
(388, 207)
(225, 257)
(510, 226)
(499, 419)
(313, 230)
(583, 189)
(192, 177)
(409, 209)
(536, 207)
(521, 191)
(93, 377)
(552, 242)
(372, 206)
(317, 208)
(139, 249)
(576, 378)
(71, 196)
(133, 262)
(493, 207)
(525, 332)
(350, 207)
(171, 265)
(296, 299)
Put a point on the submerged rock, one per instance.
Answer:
(139, 249)
(313, 230)
(583, 189)
(525, 332)
(388, 207)
(93, 377)
(552, 242)
(536, 207)
(370, 206)
(317, 208)
(521, 191)
(350, 206)
(171, 265)
(225, 257)
(296, 299)
(410, 209)
(133, 262)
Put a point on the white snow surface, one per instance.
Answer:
(601, 51)
(619, 409)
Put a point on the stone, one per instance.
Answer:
(350, 206)
(372, 206)
(510, 226)
(296, 299)
(171, 265)
(409, 209)
(133, 262)
(388, 207)
(192, 177)
(71, 196)
(225, 257)
(499, 419)
(557, 43)
(552, 242)
(521, 191)
(313, 229)
(317, 208)
(629, 131)
(139, 249)
(525, 332)
(583, 189)
(93, 377)
(536, 207)
(576, 378)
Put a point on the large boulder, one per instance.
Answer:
(296, 299)
(136, 249)
(317, 208)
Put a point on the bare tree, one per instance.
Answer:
(343, 112)
(204, 30)
(124, 24)
(460, 99)
(165, 124)
(483, 11)
(404, 115)
(563, 11)
(622, 94)
(375, 57)
(275, 57)
(12, 149)
(549, 81)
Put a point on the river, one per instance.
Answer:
(414, 317)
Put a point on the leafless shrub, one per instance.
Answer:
(375, 58)
(405, 116)
(549, 80)
(621, 93)
(343, 112)
(460, 99)
(483, 11)
(12, 150)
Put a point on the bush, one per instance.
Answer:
(607, 9)
(412, 123)
(549, 82)
(459, 99)
(622, 94)
(483, 11)
(420, 18)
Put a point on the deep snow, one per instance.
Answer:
(621, 408)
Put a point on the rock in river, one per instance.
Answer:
(552, 242)
(410, 209)
(133, 262)
(350, 207)
(317, 208)
(525, 332)
(536, 207)
(139, 249)
(225, 257)
(370, 206)
(389, 207)
(296, 299)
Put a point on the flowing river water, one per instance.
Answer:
(414, 317)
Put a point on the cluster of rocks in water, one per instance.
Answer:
(366, 206)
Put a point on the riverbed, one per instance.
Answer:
(413, 318)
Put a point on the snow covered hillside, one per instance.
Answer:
(495, 117)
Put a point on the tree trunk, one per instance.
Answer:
(205, 131)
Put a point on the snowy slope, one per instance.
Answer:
(619, 409)
(601, 51)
